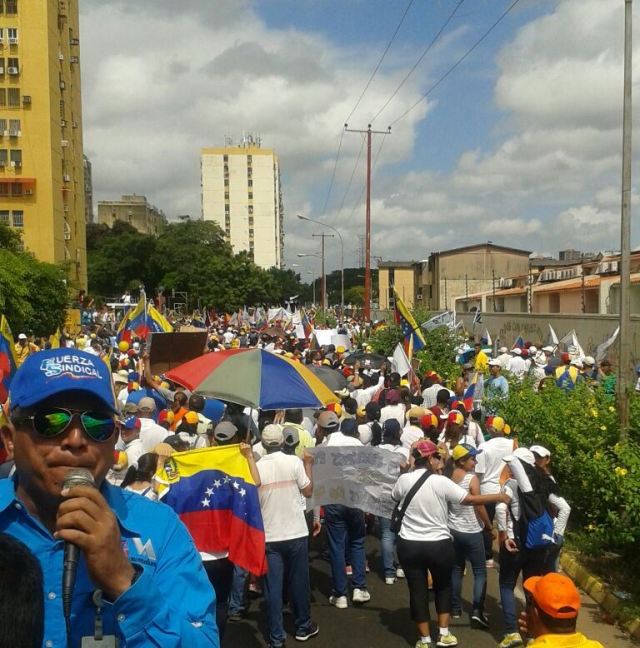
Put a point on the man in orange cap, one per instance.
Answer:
(553, 603)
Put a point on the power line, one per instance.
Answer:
(355, 168)
(373, 168)
(333, 175)
(458, 62)
(386, 49)
(420, 59)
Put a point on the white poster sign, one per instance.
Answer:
(359, 477)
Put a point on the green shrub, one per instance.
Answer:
(598, 475)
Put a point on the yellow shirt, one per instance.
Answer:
(575, 640)
(482, 362)
(23, 352)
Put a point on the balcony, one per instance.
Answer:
(17, 187)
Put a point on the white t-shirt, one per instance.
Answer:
(339, 439)
(410, 435)
(393, 448)
(365, 433)
(151, 434)
(393, 411)
(135, 450)
(429, 395)
(282, 478)
(461, 516)
(427, 516)
(490, 463)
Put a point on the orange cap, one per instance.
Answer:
(554, 594)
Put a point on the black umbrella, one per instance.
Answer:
(366, 360)
(333, 379)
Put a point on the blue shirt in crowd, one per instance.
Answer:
(171, 603)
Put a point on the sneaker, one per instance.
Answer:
(490, 564)
(234, 616)
(360, 595)
(447, 640)
(421, 644)
(348, 570)
(511, 641)
(312, 632)
(399, 572)
(478, 618)
(456, 614)
(338, 601)
(389, 580)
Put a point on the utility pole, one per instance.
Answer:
(367, 254)
(323, 284)
(624, 358)
(584, 305)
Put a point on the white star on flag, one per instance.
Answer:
(243, 492)
(209, 491)
(217, 483)
(236, 485)
(206, 501)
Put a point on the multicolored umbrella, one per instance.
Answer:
(254, 378)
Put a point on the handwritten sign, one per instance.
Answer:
(359, 477)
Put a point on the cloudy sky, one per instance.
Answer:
(519, 145)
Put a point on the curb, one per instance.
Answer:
(598, 591)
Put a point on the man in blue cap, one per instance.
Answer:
(61, 416)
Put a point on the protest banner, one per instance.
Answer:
(169, 350)
(359, 477)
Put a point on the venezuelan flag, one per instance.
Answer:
(216, 498)
(8, 362)
(469, 393)
(156, 322)
(413, 340)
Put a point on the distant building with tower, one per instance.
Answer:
(241, 192)
(135, 210)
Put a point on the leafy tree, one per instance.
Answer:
(354, 295)
(33, 294)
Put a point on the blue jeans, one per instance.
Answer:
(468, 546)
(388, 547)
(345, 527)
(237, 602)
(288, 559)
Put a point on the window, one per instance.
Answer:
(251, 195)
(225, 159)
(18, 217)
(249, 159)
(4, 217)
(13, 66)
(226, 181)
(3, 126)
(15, 156)
(4, 189)
(1, 33)
(12, 35)
(3, 157)
(14, 97)
(3, 96)
(16, 190)
(14, 127)
(2, 68)
(226, 209)
(250, 210)
(11, 7)
(251, 183)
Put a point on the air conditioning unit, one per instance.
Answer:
(74, 41)
(74, 124)
(1, 70)
(64, 143)
(3, 163)
(67, 236)
(6, 133)
(26, 100)
(15, 133)
(61, 56)
(28, 192)
(66, 177)
(74, 59)
(63, 123)
(13, 40)
(62, 85)
(16, 164)
(66, 209)
(13, 71)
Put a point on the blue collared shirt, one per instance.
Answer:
(171, 604)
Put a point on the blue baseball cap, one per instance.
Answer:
(132, 423)
(54, 371)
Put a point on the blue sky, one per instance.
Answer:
(520, 145)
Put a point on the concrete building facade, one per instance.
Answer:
(135, 210)
(241, 192)
(401, 275)
(41, 163)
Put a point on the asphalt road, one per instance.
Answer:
(384, 621)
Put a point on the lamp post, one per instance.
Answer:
(323, 285)
(311, 220)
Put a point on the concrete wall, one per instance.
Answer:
(590, 329)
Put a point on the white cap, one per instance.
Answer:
(541, 451)
(503, 349)
(517, 351)
(524, 454)
(547, 349)
(576, 362)
(533, 349)
(22, 336)
(588, 360)
(494, 363)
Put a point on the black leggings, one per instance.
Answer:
(417, 558)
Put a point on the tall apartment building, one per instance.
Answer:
(88, 190)
(41, 162)
(132, 209)
(241, 192)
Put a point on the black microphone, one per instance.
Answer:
(75, 477)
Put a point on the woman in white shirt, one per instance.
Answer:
(139, 479)
(467, 527)
(424, 540)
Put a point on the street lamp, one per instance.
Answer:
(323, 281)
(311, 220)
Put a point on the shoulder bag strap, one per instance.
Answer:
(411, 494)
